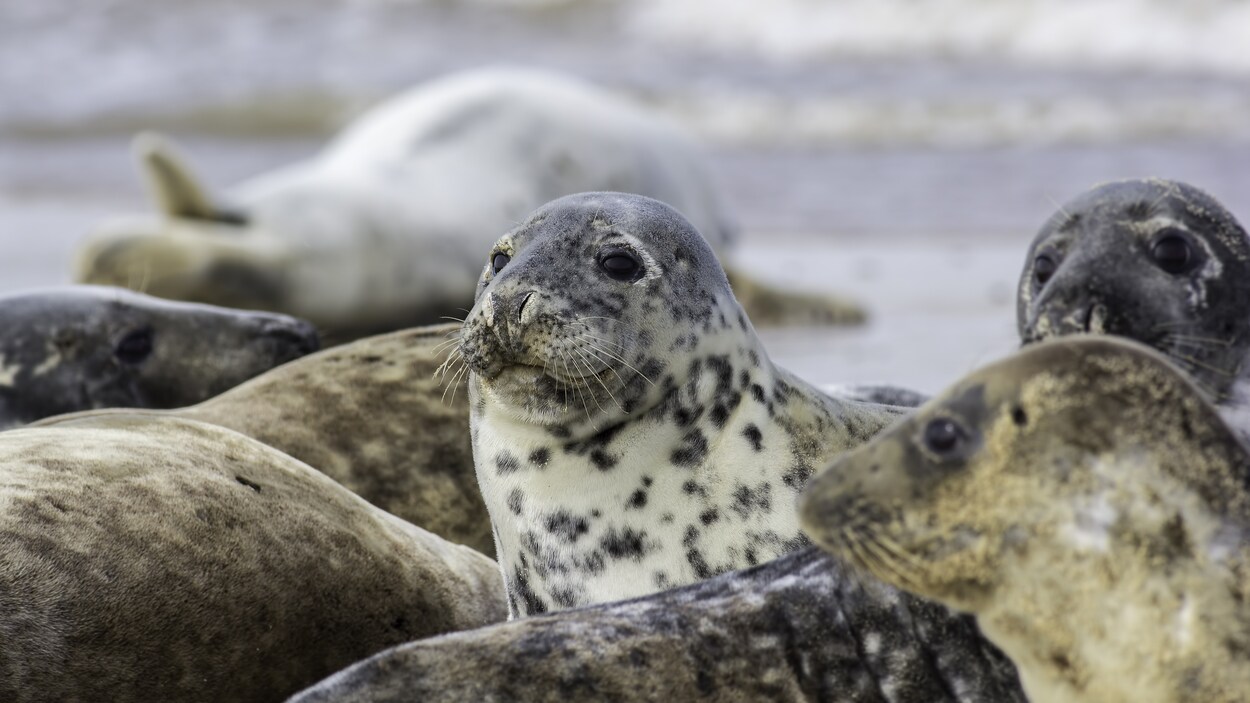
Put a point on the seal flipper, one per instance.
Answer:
(175, 191)
(769, 306)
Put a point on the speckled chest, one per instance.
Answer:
(701, 484)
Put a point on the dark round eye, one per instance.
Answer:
(1043, 268)
(943, 436)
(499, 261)
(135, 347)
(1173, 253)
(622, 267)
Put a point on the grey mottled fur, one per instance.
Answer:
(372, 416)
(161, 559)
(801, 628)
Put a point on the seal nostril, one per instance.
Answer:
(520, 311)
(299, 336)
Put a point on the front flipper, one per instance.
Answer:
(770, 306)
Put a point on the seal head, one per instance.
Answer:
(84, 347)
(1157, 261)
(629, 432)
(1073, 497)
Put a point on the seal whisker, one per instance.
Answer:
(1198, 341)
(595, 355)
(1197, 362)
(600, 380)
(580, 365)
(617, 358)
(578, 388)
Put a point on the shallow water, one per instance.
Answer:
(899, 152)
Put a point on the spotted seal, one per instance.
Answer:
(373, 416)
(385, 228)
(77, 347)
(1085, 502)
(800, 628)
(147, 559)
(629, 431)
(1153, 260)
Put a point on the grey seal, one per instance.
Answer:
(1158, 261)
(384, 228)
(154, 559)
(800, 628)
(1085, 502)
(80, 347)
(629, 431)
(373, 416)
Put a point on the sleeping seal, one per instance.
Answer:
(79, 347)
(629, 431)
(385, 228)
(1085, 502)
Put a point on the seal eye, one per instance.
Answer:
(135, 347)
(622, 267)
(1173, 253)
(1043, 268)
(942, 436)
(498, 261)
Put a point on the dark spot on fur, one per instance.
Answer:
(514, 501)
(540, 457)
(521, 590)
(754, 436)
(709, 516)
(506, 463)
(637, 500)
(602, 460)
(564, 597)
(757, 392)
(566, 526)
(625, 544)
(692, 451)
(646, 481)
(719, 415)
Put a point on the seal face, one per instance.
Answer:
(629, 432)
(1085, 502)
(1157, 261)
(81, 347)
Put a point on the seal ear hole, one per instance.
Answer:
(1019, 417)
(135, 347)
(1044, 267)
(1173, 252)
(498, 261)
(250, 484)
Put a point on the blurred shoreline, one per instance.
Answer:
(896, 151)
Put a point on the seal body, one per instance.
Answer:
(1153, 260)
(629, 432)
(375, 417)
(152, 559)
(385, 228)
(80, 347)
(1085, 502)
(800, 628)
